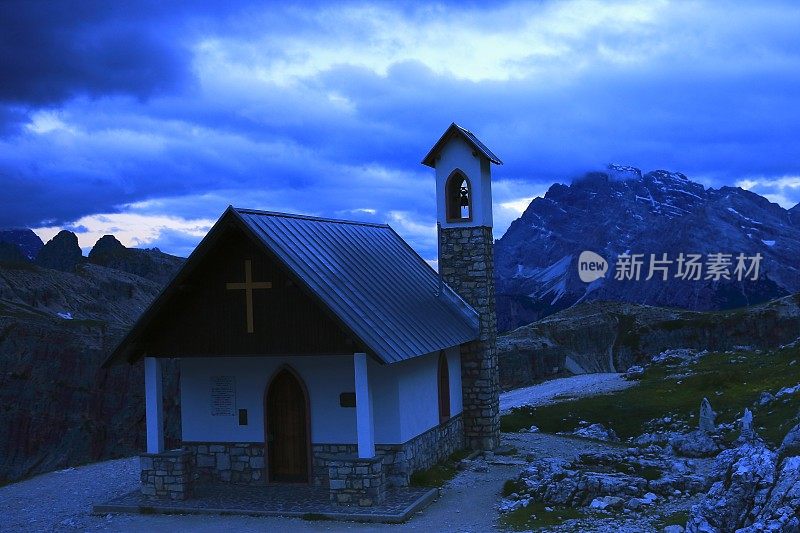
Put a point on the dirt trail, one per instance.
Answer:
(561, 389)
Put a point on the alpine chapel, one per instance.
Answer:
(327, 352)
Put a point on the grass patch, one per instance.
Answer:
(678, 518)
(536, 516)
(440, 473)
(513, 485)
(459, 455)
(731, 382)
(651, 473)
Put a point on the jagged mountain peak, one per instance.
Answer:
(623, 172)
(151, 264)
(61, 252)
(622, 210)
(107, 244)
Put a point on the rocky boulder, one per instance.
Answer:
(754, 490)
(707, 417)
(695, 444)
(607, 480)
(597, 432)
(633, 373)
(791, 443)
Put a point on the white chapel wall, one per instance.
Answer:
(419, 392)
(454, 365)
(326, 377)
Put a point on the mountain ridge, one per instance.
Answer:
(57, 325)
(625, 210)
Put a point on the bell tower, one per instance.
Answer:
(466, 263)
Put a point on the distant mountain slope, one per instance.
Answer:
(623, 210)
(152, 264)
(28, 242)
(611, 336)
(57, 407)
(794, 215)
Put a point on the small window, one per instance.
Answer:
(444, 388)
(458, 193)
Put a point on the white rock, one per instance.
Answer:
(597, 432)
(786, 391)
(634, 372)
(507, 505)
(707, 417)
(765, 399)
(606, 502)
(748, 433)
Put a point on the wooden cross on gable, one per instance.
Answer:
(249, 286)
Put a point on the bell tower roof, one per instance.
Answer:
(468, 136)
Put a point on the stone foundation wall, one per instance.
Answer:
(244, 463)
(166, 475)
(320, 453)
(399, 460)
(241, 463)
(466, 262)
(355, 481)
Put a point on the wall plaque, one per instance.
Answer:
(347, 399)
(223, 395)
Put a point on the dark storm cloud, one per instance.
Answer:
(52, 51)
(182, 109)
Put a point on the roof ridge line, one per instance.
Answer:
(308, 217)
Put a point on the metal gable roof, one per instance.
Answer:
(371, 279)
(470, 137)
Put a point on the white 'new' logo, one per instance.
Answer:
(591, 266)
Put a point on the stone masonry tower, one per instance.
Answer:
(466, 263)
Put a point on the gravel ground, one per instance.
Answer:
(62, 500)
(561, 389)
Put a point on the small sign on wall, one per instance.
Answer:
(347, 399)
(223, 395)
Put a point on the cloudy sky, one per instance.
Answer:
(146, 119)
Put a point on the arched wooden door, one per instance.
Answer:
(286, 426)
